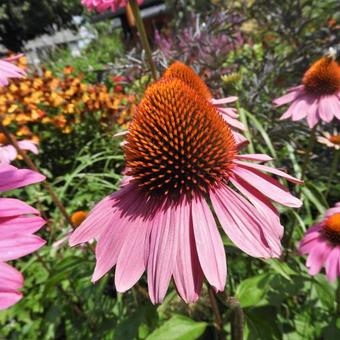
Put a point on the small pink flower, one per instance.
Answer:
(8, 153)
(318, 98)
(18, 223)
(104, 5)
(322, 244)
(180, 157)
(331, 140)
(8, 70)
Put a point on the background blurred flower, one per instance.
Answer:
(104, 5)
(18, 223)
(322, 244)
(318, 98)
(331, 140)
(179, 152)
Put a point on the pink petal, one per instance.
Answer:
(301, 106)
(332, 264)
(131, 260)
(21, 224)
(233, 122)
(269, 169)
(15, 246)
(163, 250)
(10, 277)
(326, 109)
(9, 297)
(209, 244)
(255, 157)
(28, 145)
(229, 111)
(261, 203)
(13, 178)
(317, 257)
(222, 101)
(243, 225)
(312, 116)
(289, 97)
(310, 241)
(10, 207)
(267, 186)
(188, 274)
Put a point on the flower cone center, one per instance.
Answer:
(78, 217)
(332, 228)
(177, 143)
(335, 139)
(188, 75)
(323, 77)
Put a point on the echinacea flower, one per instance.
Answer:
(18, 223)
(9, 70)
(180, 156)
(322, 244)
(8, 152)
(331, 140)
(318, 98)
(104, 5)
(190, 77)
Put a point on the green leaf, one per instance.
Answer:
(261, 324)
(325, 291)
(281, 268)
(252, 292)
(179, 327)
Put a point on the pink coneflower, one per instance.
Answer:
(18, 223)
(104, 5)
(318, 98)
(8, 153)
(322, 244)
(8, 70)
(180, 156)
(191, 78)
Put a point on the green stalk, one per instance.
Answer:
(334, 168)
(308, 151)
(143, 37)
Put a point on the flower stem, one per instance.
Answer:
(308, 151)
(237, 318)
(334, 168)
(216, 311)
(32, 166)
(143, 36)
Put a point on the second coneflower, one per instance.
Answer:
(182, 164)
(318, 98)
(190, 77)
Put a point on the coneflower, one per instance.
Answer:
(182, 164)
(318, 98)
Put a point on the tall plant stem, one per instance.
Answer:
(216, 311)
(308, 152)
(237, 319)
(143, 37)
(333, 171)
(32, 166)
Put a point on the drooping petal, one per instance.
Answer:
(313, 116)
(13, 178)
(332, 264)
(9, 297)
(268, 186)
(269, 169)
(10, 277)
(16, 245)
(209, 244)
(243, 225)
(10, 207)
(163, 250)
(326, 109)
(289, 97)
(188, 275)
(223, 101)
(21, 224)
(317, 257)
(301, 106)
(29, 146)
(256, 157)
